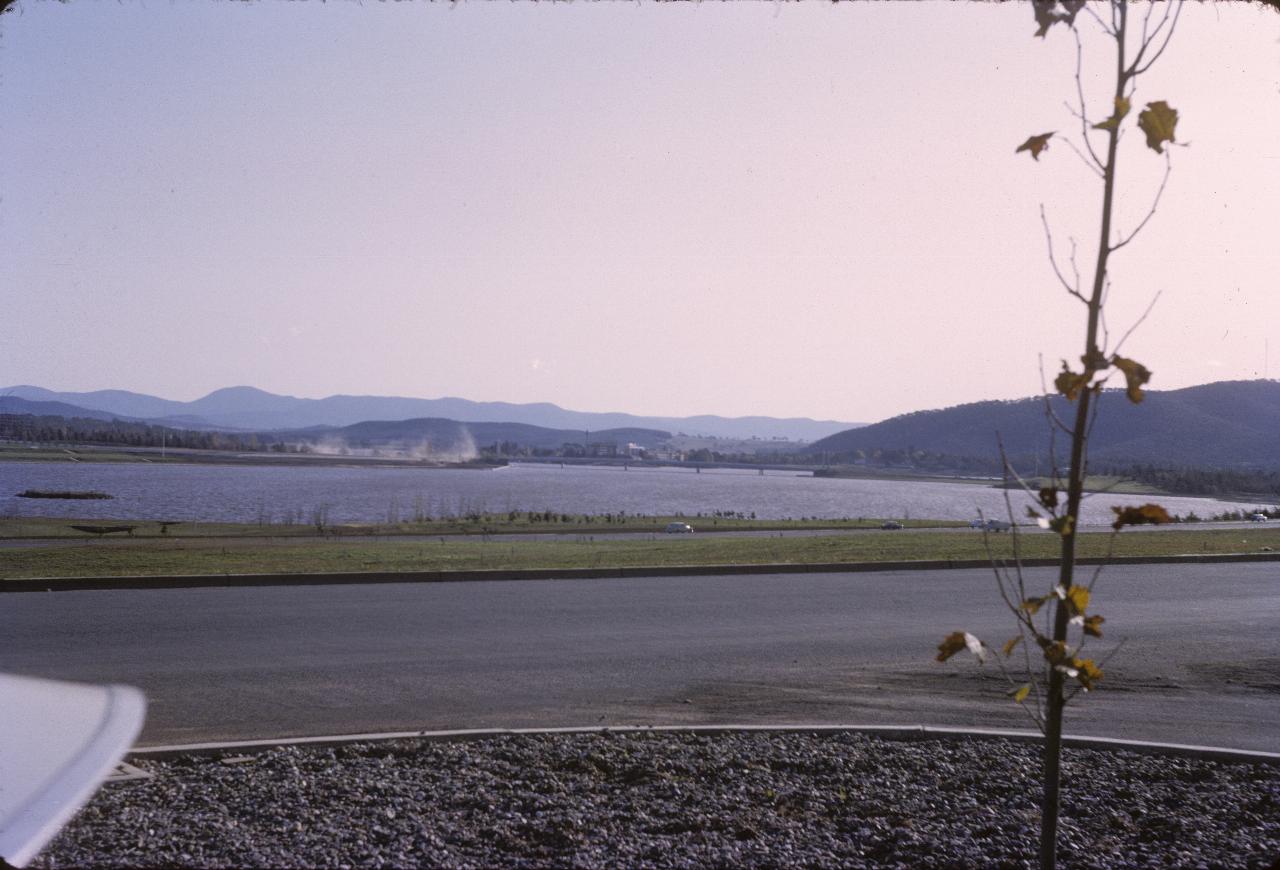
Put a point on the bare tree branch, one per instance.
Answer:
(1053, 260)
(1055, 422)
(1083, 114)
(1155, 203)
(1088, 433)
(1088, 164)
(1111, 549)
(1146, 19)
(1138, 322)
(1075, 269)
(1135, 69)
(1011, 471)
(1037, 717)
(1088, 7)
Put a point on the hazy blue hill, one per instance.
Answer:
(1226, 424)
(118, 402)
(250, 408)
(243, 400)
(16, 405)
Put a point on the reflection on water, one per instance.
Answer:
(276, 493)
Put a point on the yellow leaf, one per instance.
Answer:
(1147, 514)
(1055, 651)
(1135, 375)
(1092, 625)
(1063, 525)
(1093, 360)
(1033, 605)
(1077, 599)
(1087, 673)
(1021, 694)
(951, 645)
(1158, 120)
(1009, 645)
(1070, 383)
(1122, 109)
(1035, 144)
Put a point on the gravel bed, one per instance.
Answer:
(676, 800)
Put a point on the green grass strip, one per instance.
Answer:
(125, 557)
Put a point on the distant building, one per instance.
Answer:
(602, 448)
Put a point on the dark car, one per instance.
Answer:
(891, 525)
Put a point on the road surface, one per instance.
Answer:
(1200, 664)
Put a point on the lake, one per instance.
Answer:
(232, 493)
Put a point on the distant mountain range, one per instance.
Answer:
(419, 438)
(1229, 424)
(248, 408)
(1225, 425)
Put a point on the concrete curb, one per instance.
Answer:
(201, 581)
(891, 732)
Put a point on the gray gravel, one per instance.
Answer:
(676, 800)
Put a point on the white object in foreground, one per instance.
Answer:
(58, 742)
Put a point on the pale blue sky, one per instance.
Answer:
(738, 208)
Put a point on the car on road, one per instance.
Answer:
(1258, 518)
(891, 525)
(994, 525)
(678, 528)
(978, 523)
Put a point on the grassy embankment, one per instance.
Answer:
(176, 556)
(483, 524)
(49, 453)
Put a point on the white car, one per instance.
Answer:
(1258, 518)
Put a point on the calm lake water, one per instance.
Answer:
(208, 493)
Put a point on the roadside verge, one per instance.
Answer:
(891, 732)
(197, 581)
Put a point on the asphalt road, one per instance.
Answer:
(1200, 664)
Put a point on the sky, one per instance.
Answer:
(798, 209)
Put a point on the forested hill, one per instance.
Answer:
(422, 437)
(1230, 424)
(451, 433)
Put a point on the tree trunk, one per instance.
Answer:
(1075, 488)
